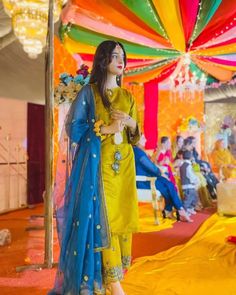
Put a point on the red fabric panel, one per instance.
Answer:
(150, 113)
(36, 153)
(189, 11)
(223, 19)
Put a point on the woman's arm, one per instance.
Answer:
(149, 166)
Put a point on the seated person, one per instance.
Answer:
(224, 160)
(178, 145)
(163, 157)
(144, 166)
(189, 145)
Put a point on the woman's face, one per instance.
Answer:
(116, 66)
(168, 144)
(180, 142)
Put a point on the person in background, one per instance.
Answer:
(178, 161)
(205, 168)
(163, 157)
(178, 145)
(144, 166)
(189, 183)
(224, 160)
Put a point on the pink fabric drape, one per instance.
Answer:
(150, 113)
(189, 11)
(220, 61)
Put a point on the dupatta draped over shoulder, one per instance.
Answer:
(79, 202)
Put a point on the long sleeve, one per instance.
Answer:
(149, 166)
(191, 176)
(133, 137)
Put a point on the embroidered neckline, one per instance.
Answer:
(110, 91)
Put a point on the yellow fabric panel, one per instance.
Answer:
(230, 68)
(225, 49)
(120, 189)
(172, 21)
(204, 265)
(226, 67)
(146, 220)
(77, 47)
(223, 157)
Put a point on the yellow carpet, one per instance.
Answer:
(204, 265)
(146, 220)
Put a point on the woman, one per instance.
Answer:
(224, 160)
(202, 168)
(144, 166)
(178, 145)
(164, 157)
(100, 207)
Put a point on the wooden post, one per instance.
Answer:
(49, 104)
(49, 112)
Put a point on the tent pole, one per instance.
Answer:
(49, 106)
(49, 112)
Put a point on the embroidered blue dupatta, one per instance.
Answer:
(80, 208)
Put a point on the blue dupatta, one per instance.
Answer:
(80, 209)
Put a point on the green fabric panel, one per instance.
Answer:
(145, 10)
(194, 68)
(198, 71)
(88, 37)
(209, 8)
(211, 80)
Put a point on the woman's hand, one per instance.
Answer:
(114, 127)
(125, 118)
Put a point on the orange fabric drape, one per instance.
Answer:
(213, 69)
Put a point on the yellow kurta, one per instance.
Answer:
(120, 189)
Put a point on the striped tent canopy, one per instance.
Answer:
(157, 35)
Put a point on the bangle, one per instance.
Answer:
(97, 127)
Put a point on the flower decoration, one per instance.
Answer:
(190, 124)
(224, 126)
(69, 85)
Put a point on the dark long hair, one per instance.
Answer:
(102, 59)
(178, 138)
(164, 139)
(188, 140)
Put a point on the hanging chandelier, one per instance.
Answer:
(30, 22)
(184, 82)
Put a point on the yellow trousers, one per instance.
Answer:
(117, 258)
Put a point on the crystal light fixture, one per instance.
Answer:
(30, 22)
(183, 80)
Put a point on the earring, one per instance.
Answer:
(118, 79)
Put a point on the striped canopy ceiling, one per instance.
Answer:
(157, 35)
